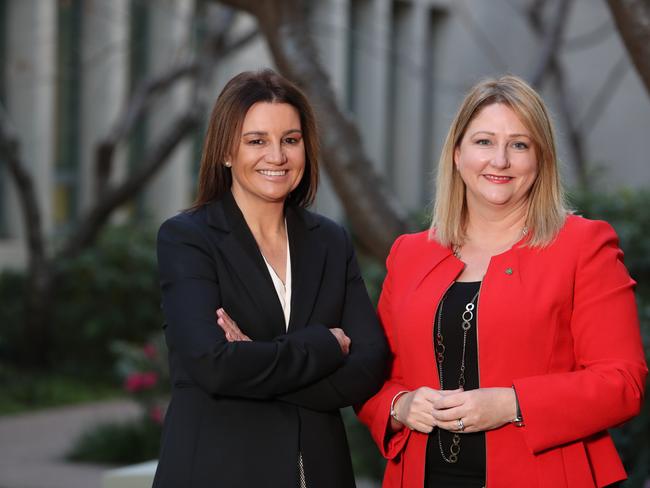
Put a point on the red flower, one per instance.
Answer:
(156, 414)
(141, 381)
(150, 351)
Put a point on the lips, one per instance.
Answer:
(268, 172)
(498, 179)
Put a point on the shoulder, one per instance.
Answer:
(417, 242)
(325, 228)
(184, 224)
(582, 232)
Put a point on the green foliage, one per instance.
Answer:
(366, 460)
(24, 390)
(627, 212)
(109, 292)
(119, 443)
(12, 315)
(144, 370)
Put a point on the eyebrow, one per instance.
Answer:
(263, 133)
(509, 135)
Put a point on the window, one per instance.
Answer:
(4, 184)
(68, 105)
(138, 70)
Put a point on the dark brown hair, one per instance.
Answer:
(226, 120)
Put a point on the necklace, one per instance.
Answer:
(466, 317)
(455, 248)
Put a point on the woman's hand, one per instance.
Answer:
(344, 341)
(229, 326)
(415, 409)
(480, 410)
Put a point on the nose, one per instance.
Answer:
(500, 157)
(276, 154)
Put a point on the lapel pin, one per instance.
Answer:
(508, 271)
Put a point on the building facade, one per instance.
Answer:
(399, 68)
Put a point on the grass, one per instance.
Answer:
(24, 391)
(128, 442)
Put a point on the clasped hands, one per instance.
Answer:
(233, 332)
(480, 410)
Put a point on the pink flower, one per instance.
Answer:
(150, 351)
(140, 381)
(156, 414)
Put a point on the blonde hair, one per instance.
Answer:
(546, 208)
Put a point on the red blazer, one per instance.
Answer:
(559, 323)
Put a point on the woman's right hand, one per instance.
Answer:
(344, 341)
(414, 409)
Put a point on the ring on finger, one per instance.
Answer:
(460, 425)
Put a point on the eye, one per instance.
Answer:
(519, 145)
(483, 142)
(292, 140)
(255, 142)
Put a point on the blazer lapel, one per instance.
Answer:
(243, 254)
(308, 256)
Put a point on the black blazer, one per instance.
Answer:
(240, 412)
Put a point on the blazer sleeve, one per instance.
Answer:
(606, 387)
(375, 413)
(190, 298)
(364, 369)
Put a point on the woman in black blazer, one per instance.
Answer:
(256, 389)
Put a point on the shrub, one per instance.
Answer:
(109, 292)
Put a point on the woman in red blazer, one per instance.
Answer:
(512, 324)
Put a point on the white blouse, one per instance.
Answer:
(283, 289)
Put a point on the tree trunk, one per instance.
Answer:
(374, 214)
(632, 19)
(39, 270)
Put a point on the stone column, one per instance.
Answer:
(371, 32)
(30, 95)
(408, 118)
(104, 71)
(170, 43)
(330, 21)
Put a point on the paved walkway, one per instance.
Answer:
(32, 445)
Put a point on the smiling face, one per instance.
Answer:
(269, 159)
(496, 159)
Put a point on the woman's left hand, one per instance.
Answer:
(230, 328)
(480, 410)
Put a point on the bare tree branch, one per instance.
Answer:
(482, 39)
(135, 111)
(591, 38)
(39, 276)
(44, 268)
(215, 46)
(10, 150)
(574, 135)
(552, 41)
(86, 231)
(632, 19)
(374, 214)
(553, 66)
(604, 94)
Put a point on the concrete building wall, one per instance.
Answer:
(399, 67)
(30, 94)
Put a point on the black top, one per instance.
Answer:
(469, 470)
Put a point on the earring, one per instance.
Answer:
(227, 164)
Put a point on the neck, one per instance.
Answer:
(495, 227)
(262, 218)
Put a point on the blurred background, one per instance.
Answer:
(103, 108)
